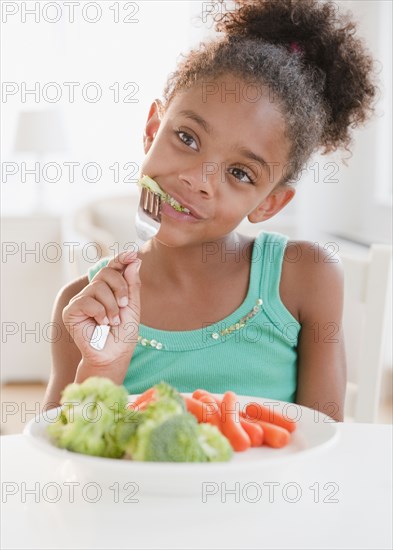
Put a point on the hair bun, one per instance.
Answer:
(324, 40)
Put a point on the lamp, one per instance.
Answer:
(40, 133)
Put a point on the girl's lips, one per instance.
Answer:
(194, 213)
(167, 210)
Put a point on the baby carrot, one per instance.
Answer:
(204, 411)
(211, 411)
(141, 406)
(148, 395)
(256, 412)
(195, 407)
(203, 393)
(230, 423)
(274, 436)
(254, 431)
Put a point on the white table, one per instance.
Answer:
(356, 472)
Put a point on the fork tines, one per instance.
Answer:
(151, 204)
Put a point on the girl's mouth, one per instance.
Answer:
(175, 204)
(178, 214)
(169, 204)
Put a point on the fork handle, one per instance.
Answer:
(145, 231)
(99, 337)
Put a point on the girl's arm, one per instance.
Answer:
(321, 352)
(65, 354)
(112, 297)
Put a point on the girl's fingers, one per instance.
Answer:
(104, 289)
(116, 282)
(120, 262)
(113, 275)
(104, 294)
(111, 298)
(131, 275)
(100, 291)
(85, 307)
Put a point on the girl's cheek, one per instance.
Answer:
(158, 161)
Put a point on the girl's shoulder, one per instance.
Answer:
(312, 275)
(309, 258)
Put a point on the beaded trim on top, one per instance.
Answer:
(150, 343)
(215, 335)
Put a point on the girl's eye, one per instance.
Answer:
(242, 174)
(186, 139)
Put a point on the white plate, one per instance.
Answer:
(315, 433)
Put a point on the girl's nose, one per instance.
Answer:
(200, 179)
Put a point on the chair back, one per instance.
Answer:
(366, 291)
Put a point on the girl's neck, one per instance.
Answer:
(202, 263)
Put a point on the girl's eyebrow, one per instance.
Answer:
(209, 130)
(198, 119)
(253, 156)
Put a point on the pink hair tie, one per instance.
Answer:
(295, 48)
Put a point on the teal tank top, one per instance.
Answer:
(251, 352)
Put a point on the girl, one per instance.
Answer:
(201, 305)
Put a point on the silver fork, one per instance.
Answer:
(147, 225)
(148, 215)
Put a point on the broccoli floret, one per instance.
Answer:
(166, 432)
(161, 410)
(165, 391)
(126, 427)
(177, 437)
(155, 414)
(215, 445)
(174, 440)
(94, 419)
(96, 389)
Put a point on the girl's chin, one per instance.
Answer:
(177, 243)
(166, 242)
(176, 239)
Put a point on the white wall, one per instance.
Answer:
(105, 53)
(105, 132)
(145, 52)
(356, 202)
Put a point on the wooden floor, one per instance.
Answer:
(21, 402)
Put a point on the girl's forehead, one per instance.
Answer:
(227, 93)
(229, 108)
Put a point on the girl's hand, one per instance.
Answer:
(112, 297)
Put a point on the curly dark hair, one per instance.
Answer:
(306, 54)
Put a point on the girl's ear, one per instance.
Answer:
(272, 204)
(152, 124)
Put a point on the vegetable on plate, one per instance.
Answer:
(162, 425)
